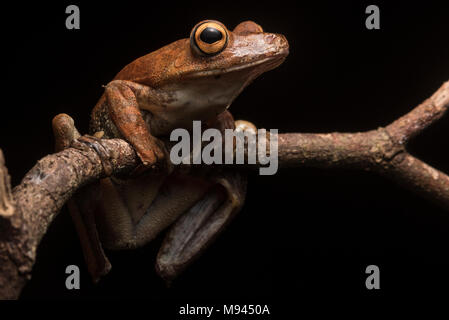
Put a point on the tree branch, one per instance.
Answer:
(27, 211)
(41, 195)
(6, 199)
(428, 112)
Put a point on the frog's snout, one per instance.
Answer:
(271, 42)
(270, 45)
(277, 41)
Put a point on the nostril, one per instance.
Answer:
(281, 41)
(271, 38)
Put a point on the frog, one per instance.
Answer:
(192, 79)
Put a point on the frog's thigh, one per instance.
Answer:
(122, 205)
(176, 196)
(128, 220)
(199, 227)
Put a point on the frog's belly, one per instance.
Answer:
(195, 99)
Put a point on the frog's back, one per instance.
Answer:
(151, 70)
(154, 68)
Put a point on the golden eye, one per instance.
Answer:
(209, 37)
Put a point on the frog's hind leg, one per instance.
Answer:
(194, 231)
(135, 211)
(82, 205)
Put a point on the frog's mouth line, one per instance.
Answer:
(271, 62)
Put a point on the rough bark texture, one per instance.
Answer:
(27, 211)
(39, 198)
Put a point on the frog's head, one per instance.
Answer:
(245, 52)
(205, 72)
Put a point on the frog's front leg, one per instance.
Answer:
(123, 101)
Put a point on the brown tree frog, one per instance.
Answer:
(190, 79)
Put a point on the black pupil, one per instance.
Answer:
(210, 35)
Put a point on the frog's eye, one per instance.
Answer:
(209, 38)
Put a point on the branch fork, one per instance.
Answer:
(27, 210)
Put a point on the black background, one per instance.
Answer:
(302, 232)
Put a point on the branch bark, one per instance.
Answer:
(27, 210)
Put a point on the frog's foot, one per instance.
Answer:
(249, 131)
(245, 126)
(64, 131)
(155, 153)
(154, 157)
